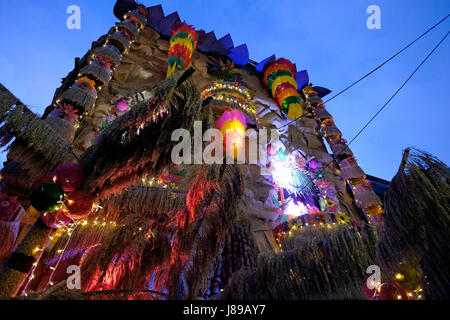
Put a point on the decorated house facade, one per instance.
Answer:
(91, 186)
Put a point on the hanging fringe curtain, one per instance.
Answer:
(417, 221)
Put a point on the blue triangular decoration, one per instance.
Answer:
(239, 55)
(260, 66)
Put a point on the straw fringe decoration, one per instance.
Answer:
(322, 114)
(63, 128)
(340, 149)
(81, 97)
(331, 131)
(417, 221)
(119, 38)
(108, 52)
(130, 27)
(366, 198)
(99, 73)
(142, 20)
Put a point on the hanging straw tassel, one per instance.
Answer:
(366, 198)
(82, 97)
(121, 40)
(331, 132)
(130, 27)
(350, 169)
(63, 128)
(100, 74)
(321, 114)
(110, 52)
(134, 13)
(340, 148)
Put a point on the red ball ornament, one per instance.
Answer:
(55, 219)
(370, 294)
(79, 204)
(69, 176)
(392, 291)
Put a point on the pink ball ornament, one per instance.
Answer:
(122, 105)
(69, 176)
(55, 219)
(370, 294)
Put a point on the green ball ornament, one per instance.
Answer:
(47, 197)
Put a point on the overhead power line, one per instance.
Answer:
(378, 67)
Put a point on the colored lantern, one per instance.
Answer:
(279, 78)
(182, 44)
(232, 124)
(47, 197)
(79, 204)
(69, 176)
(55, 219)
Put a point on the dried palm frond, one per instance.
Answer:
(210, 212)
(137, 143)
(417, 221)
(317, 263)
(37, 148)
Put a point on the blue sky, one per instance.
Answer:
(328, 38)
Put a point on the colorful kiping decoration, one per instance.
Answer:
(67, 111)
(182, 45)
(233, 124)
(279, 79)
(85, 83)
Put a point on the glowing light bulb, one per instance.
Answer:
(399, 276)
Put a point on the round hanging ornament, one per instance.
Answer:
(47, 197)
(79, 204)
(69, 176)
(55, 219)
